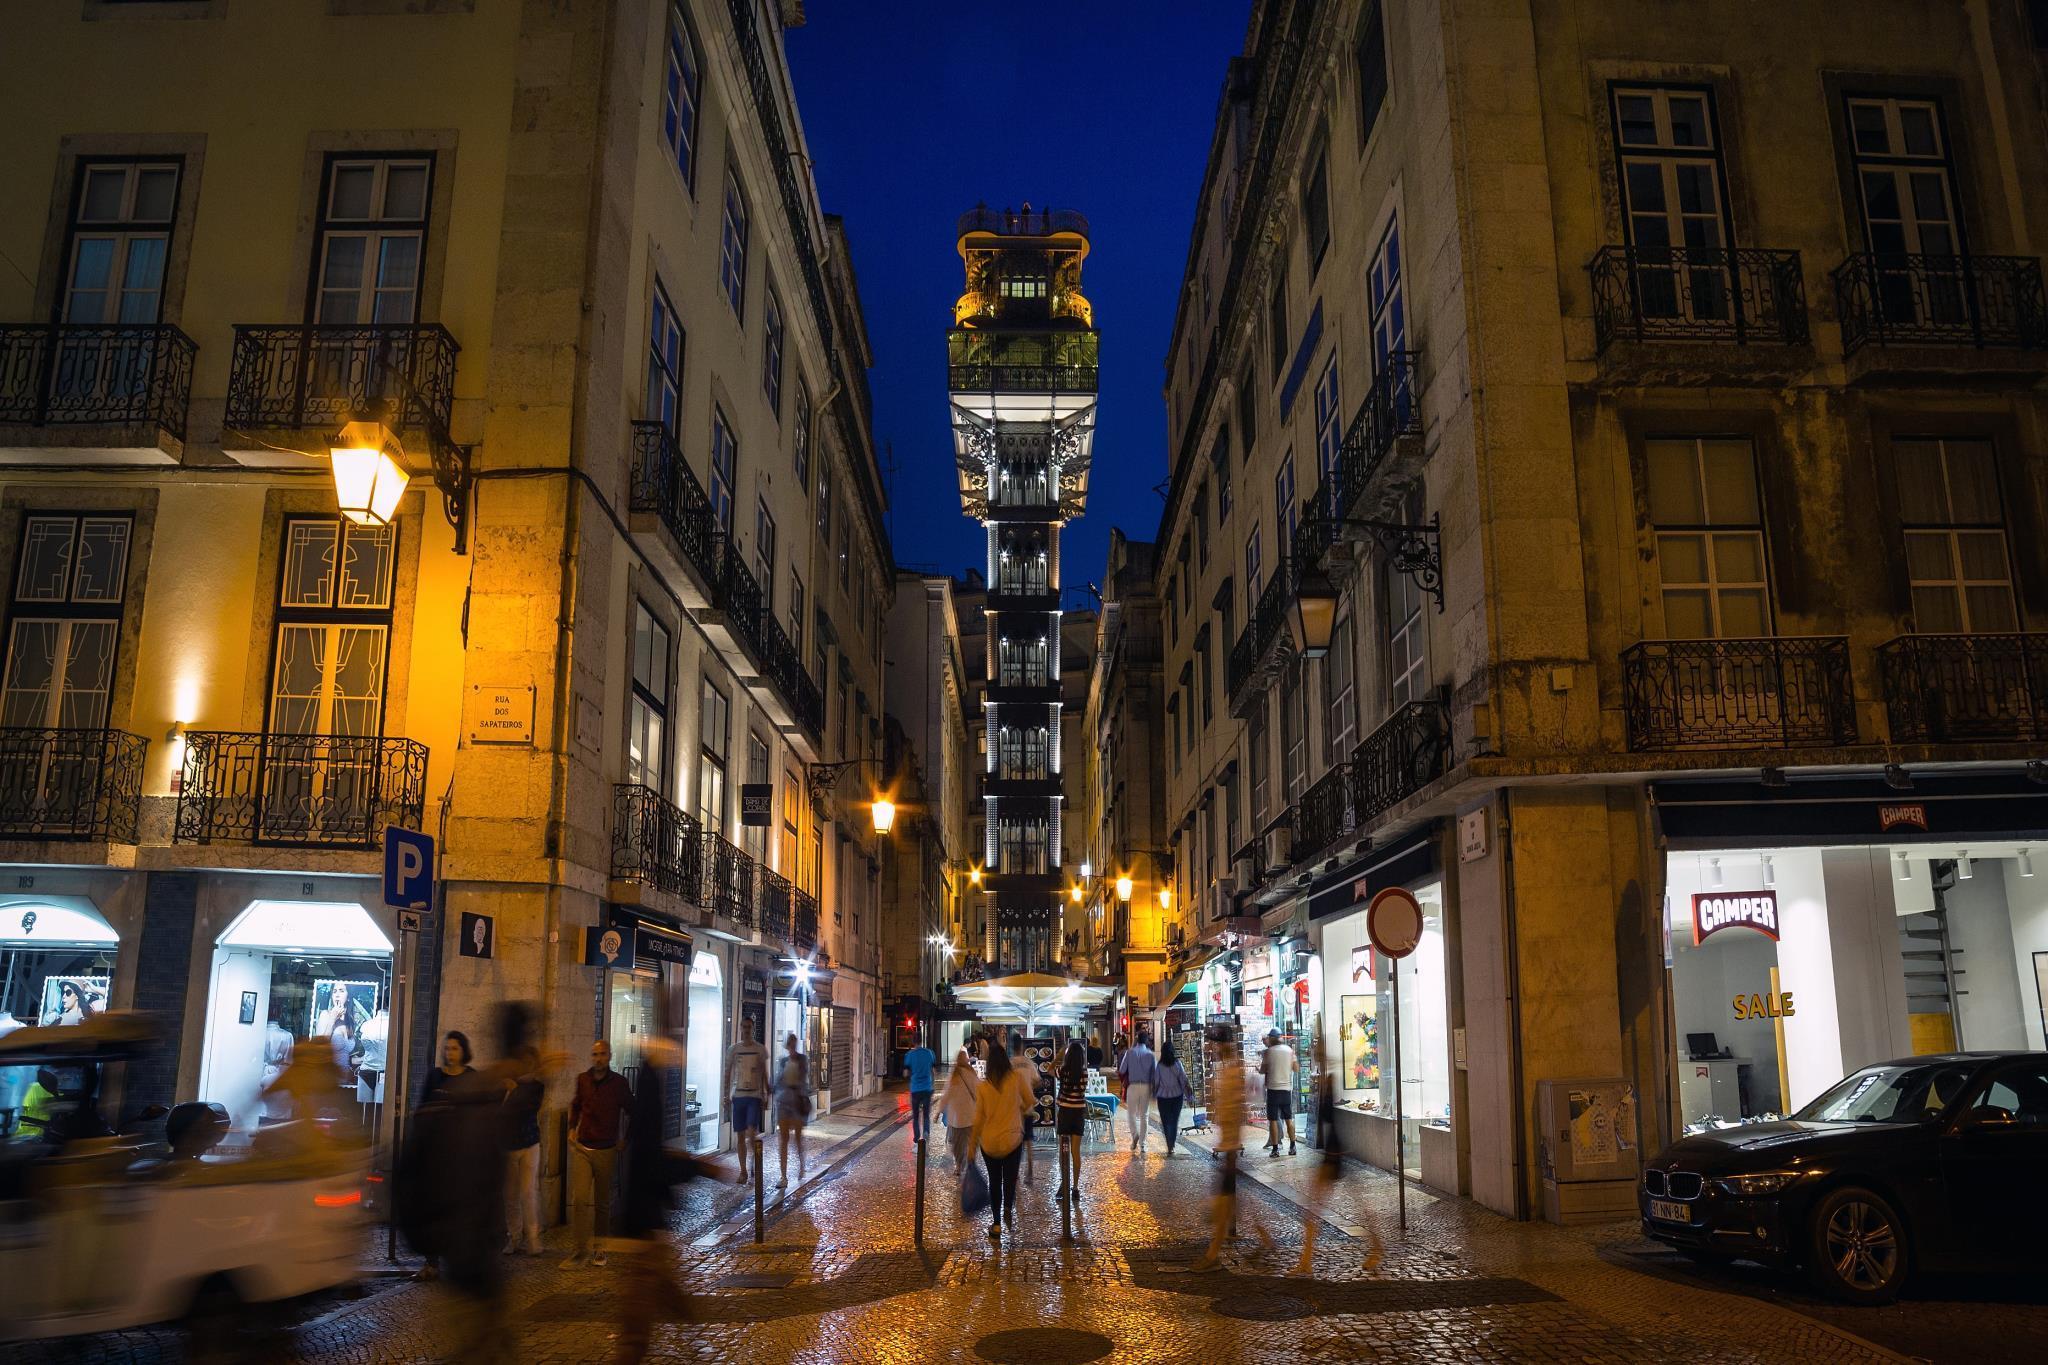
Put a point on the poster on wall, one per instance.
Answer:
(1592, 1129)
(339, 1011)
(1361, 1034)
(72, 999)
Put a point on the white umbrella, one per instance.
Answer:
(1031, 998)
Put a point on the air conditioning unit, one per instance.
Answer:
(1223, 898)
(1245, 870)
(1279, 847)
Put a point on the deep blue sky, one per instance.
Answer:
(917, 110)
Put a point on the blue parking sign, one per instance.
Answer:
(408, 868)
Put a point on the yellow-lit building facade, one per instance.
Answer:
(570, 264)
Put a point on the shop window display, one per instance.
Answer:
(56, 968)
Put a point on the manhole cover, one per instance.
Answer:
(1261, 1307)
(755, 1281)
(1043, 1346)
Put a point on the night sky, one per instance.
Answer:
(917, 110)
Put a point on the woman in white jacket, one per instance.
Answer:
(956, 1106)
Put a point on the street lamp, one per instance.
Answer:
(1314, 617)
(1075, 892)
(369, 475)
(1166, 898)
(1123, 887)
(885, 814)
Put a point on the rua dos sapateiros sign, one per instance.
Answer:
(1713, 911)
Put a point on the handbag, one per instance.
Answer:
(973, 1192)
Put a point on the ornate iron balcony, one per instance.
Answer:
(1020, 223)
(1022, 378)
(1679, 293)
(804, 929)
(655, 842)
(1261, 648)
(321, 375)
(70, 784)
(1950, 688)
(735, 593)
(664, 484)
(337, 790)
(73, 374)
(1941, 301)
(1326, 813)
(1392, 410)
(728, 887)
(775, 894)
(1410, 750)
(1769, 692)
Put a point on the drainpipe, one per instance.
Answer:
(1513, 965)
(558, 761)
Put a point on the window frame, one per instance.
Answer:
(332, 616)
(734, 227)
(641, 696)
(724, 470)
(1705, 532)
(712, 762)
(659, 340)
(772, 350)
(326, 227)
(124, 231)
(682, 94)
(1952, 530)
(68, 610)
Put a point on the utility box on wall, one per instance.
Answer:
(1588, 1148)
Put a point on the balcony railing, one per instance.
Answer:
(655, 842)
(1325, 814)
(1946, 688)
(1021, 222)
(1021, 378)
(323, 375)
(1678, 293)
(339, 790)
(1392, 409)
(804, 930)
(70, 784)
(664, 484)
(728, 887)
(1941, 301)
(735, 592)
(1774, 691)
(54, 374)
(1410, 750)
(1258, 647)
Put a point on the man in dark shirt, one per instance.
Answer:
(597, 1119)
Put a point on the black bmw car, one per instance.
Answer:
(1931, 1163)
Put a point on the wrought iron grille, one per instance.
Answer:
(740, 598)
(1771, 691)
(298, 789)
(66, 373)
(1261, 634)
(1325, 814)
(805, 929)
(1697, 293)
(777, 896)
(664, 484)
(654, 841)
(728, 879)
(326, 374)
(1941, 300)
(70, 784)
(1392, 409)
(1410, 749)
(1022, 378)
(1943, 688)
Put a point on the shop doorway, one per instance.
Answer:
(56, 967)
(704, 1079)
(286, 971)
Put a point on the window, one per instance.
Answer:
(373, 228)
(1386, 305)
(1293, 735)
(714, 719)
(725, 459)
(647, 708)
(120, 241)
(1173, 709)
(1021, 753)
(64, 628)
(664, 362)
(845, 549)
(1671, 201)
(1286, 511)
(1247, 415)
(764, 554)
(1202, 526)
(1023, 847)
(1370, 53)
(1315, 211)
(1340, 703)
(1172, 611)
(1257, 759)
(796, 614)
(800, 444)
(1902, 177)
(1956, 551)
(681, 88)
(333, 627)
(1708, 525)
(1276, 325)
(1252, 571)
(1202, 675)
(1226, 614)
(1231, 841)
(1329, 423)
(771, 354)
(824, 504)
(732, 248)
(754, 838)
(1219, 459)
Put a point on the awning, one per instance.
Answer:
(1936, 808)
(53, 922)
(1351, 887)
(307, 927)
(1167, 989)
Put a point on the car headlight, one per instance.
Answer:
(1752, 1186)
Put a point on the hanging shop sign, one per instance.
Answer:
(1717, 910)
(608, 946)
(757, 803)
(1912, 814)
(652, 945)
(1394, 921)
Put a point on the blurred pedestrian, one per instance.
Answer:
(1172, 1093)
(1276, 1064)
(749, 1066)
(451, 1191)
(1328, 1172)
(957, 1107)
(597, 1120)
(919, 1062)
(1021, 1063)
(455, 1059)
(1227, 1103)
(1070, 1120)
(792, 1107)
(1139, 1070)
(524, 1092)
(999, 1137)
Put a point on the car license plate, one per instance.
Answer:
(1669, 1211)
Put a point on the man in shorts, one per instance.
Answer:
(749, 1067)
(1277, 1066)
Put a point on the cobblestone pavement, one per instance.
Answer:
(837, 1278)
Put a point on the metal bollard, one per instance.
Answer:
(917, 1236)
(759, 1184)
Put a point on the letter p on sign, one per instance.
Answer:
(408, 868)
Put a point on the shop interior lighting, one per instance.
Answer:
(1770, 872)
(1963, 872)
(1714, 871)
(1905, 868)
(2026, 863)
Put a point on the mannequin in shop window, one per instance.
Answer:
(369, 1058)
(277, 1055)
